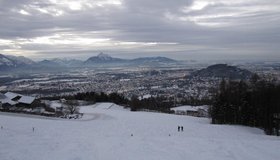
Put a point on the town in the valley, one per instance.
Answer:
(180, 85)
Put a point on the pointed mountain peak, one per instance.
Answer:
(103, 55)
(103, 58)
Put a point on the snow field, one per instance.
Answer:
(107, 136)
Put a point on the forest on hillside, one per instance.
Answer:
(255, 103)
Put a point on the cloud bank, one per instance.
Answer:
(181, 29)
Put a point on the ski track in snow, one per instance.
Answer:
(104, 133)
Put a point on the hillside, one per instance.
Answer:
(106, 131)
(11, 62)
(103, 59)
(223, 71)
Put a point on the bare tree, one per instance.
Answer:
(71, 107)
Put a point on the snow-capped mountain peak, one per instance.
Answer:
(14, 61)
(21, 59)
(4, 61)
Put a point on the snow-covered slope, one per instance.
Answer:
(107, 106)
(21, 60)
(189, 108)
(67, 62)
(117, 134)
(7, 61)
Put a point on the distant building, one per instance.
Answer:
(6, 102)
(21, 100)
(11, 99)
(197, 111)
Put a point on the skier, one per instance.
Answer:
(182, 128)
(178, 128)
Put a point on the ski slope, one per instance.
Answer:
(106, 134)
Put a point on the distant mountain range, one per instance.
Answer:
(106, 59)
(56, 62)
(223, 71)
(20, 63)
(13, 62)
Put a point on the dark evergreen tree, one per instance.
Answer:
(256, 103)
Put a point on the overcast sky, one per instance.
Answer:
(179, 29)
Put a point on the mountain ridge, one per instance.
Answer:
(102, 59)
(12, 62)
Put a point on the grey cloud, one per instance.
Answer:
(254, 29)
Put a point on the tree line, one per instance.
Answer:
(253, 103)
(159, 104)
(93, 97)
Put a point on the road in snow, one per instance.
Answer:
(105, 134)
